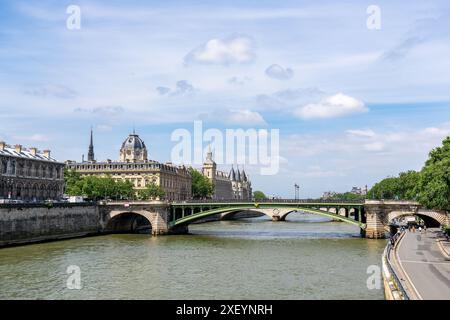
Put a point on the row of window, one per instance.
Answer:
(102, 167)
(29, 169)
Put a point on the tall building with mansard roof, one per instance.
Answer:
(133, 165)
(29, 174)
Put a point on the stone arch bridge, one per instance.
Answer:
(372, 217)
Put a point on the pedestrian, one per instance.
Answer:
(424, 228)
(420, 229)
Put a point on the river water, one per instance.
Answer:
(306, 257)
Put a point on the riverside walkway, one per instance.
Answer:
(423, 266)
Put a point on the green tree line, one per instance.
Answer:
(97, 188)
(430, 186)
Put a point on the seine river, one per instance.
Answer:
(306, 257)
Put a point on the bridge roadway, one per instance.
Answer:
(422, 263)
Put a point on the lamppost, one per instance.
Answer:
(297, 192)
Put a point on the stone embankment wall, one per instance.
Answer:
(27, 223)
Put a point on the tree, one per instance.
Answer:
(151, 192)
(73, 182)
(124, 190)
(96, 188)
(434, 183)
(347, 196)
(201, 185)
(403, 187)
(259, 195)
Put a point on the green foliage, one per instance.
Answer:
(434, 184)
(259, 195)
(96, 188)
(201, 186)
(403, 187)
(446, 230)
(347, 196)
(72, 182)
(152, 192)
(430, 186)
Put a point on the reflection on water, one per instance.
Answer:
(306, 257)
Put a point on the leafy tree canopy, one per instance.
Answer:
(259, 195)
(201, 186)
(152, 192)
(97, 188)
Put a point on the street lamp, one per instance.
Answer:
(297, 193)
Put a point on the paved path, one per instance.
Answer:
(424, 264)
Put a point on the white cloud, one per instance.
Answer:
(362, 133)
(108, 111)
(245, 117)
(234, 49)
(433, 131)
(374, 146)
(334, 106)
(242, 117)
(276, 71)
(104, 127)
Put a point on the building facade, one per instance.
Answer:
(29, 174)
(241, 184)
(234, 185)
(133, 165)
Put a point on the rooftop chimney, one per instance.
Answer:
(33, 151)
(47, 153)
(2, 145)
(18, 148)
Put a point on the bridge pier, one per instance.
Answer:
(183, 229)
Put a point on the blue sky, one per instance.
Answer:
(353, 105)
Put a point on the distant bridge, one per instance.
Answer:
(184, 213)
(372, 217)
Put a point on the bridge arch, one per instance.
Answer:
(431, 218)
(129, 221)
(269, 210)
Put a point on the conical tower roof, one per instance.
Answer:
(232, 174)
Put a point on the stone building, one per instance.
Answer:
(241, 184)
(134, 166)
(29, 174)
(222, 185)
(234, 185)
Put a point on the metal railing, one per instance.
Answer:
(270, 201)
(398, 284)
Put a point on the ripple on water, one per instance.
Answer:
(303, 258)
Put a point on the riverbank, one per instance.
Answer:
(30, 223)
(393, 287)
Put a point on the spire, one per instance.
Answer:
(209, 157)
(232, 175)
(91, 156)
(238, 173)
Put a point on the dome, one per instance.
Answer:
(133, 149)
(133, 142)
